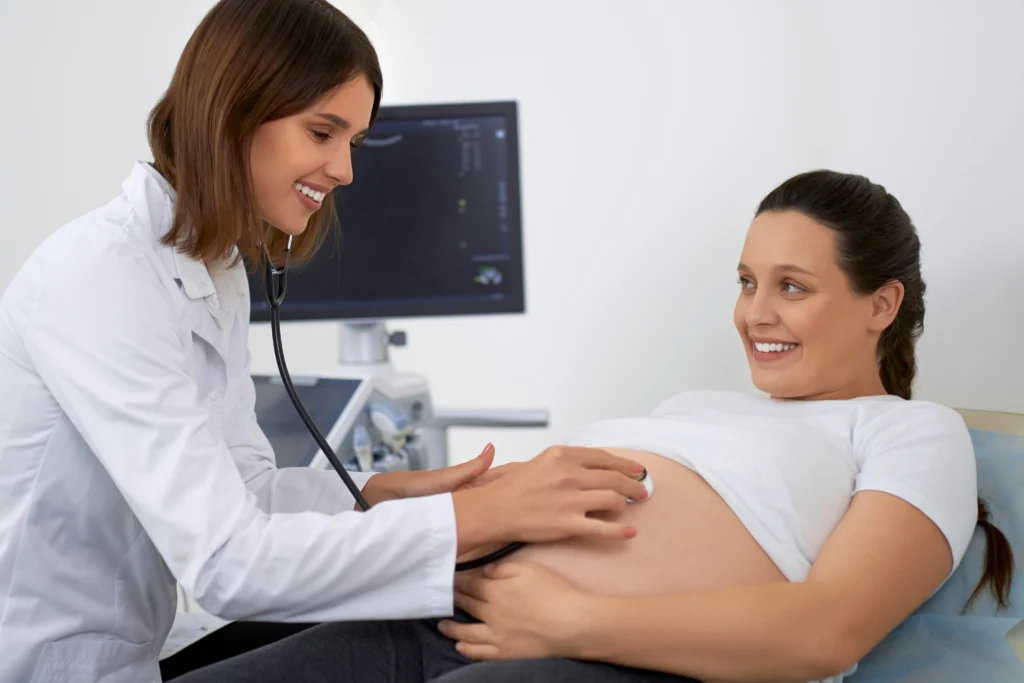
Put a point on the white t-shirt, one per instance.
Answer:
(789, 469)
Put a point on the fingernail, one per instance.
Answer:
(638, 468)
(630, 532)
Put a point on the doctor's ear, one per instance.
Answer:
(885, 304)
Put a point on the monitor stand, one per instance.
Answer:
(366, 343)
(363, 354)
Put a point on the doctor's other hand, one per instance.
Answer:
(525, 611)
(490, 475)
(550, 498)
(416, 483)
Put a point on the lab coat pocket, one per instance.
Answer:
(95, 661)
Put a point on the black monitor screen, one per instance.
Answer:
(324, 399)
(429, 226)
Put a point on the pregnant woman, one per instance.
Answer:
(789, 532)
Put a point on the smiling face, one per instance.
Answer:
(297, 160)
(807, 334)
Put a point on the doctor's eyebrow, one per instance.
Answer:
(336, 120)
(341, 123)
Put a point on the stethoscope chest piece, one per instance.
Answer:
(648, 481)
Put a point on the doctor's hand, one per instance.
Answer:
(413, 484)
(490, 475)
(549, 498)
(526, 611)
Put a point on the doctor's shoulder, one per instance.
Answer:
(92, 253)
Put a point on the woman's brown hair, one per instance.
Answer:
(878, 243)
(248, 62)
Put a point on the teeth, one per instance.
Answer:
(773, 348)
(309, 192)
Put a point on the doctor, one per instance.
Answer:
(130, 458)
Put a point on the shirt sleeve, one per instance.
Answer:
(107, 338)
(291, 489)
(922, 453)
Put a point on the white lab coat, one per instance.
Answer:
(130, 458)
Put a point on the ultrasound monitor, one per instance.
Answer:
(430, 226)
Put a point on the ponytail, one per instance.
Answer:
(998, 572)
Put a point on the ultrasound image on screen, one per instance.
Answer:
(424, 226)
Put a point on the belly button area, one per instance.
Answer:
(648, 481)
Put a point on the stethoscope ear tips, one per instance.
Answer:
(648, 483)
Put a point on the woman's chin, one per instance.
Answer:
(776, 387)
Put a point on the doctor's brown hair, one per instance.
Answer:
(248, 62)
(877, 243)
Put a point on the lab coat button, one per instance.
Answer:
(214, 395)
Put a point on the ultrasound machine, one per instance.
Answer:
(431, 226)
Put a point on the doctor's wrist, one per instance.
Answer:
(377, 490)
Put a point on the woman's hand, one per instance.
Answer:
(549, 498)
(413, 484)
(526, 611)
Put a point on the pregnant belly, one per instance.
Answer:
(687, 539)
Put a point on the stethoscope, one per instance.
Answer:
(276, 287)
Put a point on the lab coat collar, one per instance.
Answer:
(154, 199)
(194, 276)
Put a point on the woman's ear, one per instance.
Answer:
(885, 304)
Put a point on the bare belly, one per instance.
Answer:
(687, 539)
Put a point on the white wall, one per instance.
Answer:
(649, 131)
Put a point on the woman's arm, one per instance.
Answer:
(883, 560)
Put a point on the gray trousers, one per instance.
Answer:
(399, 652)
